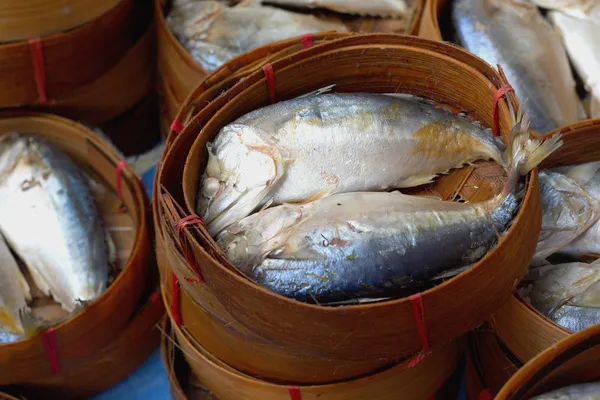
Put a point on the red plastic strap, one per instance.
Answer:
(176, 301)
(49, 343)
(419, 315)
(486, 394)
(294, 393)
(497, 96)
(37, 59)
(306, 41)
(158, 304)
(176, 127)
(120, 165)
(186, 221)
(270, 76)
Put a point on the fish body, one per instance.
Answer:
(582, 391)
(361, 245)
(214, 34)
(568, 294)
(49, 218)
(14, 293)
(575, 8)
(380, 8)
(514, 34)
(581, 37)
(309, 147)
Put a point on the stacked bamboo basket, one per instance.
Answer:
(517, 333)
(111, 337)
(91, 61)
(179, 73)
(244, 342)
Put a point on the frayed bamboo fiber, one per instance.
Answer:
(83, 336)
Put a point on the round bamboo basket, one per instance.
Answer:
(81, 338)
(576, 359)
(71, 59)
(413, 66)
(227, 383)
(45, 17)
(429, 26)
(181, 73)
(524, 330)
(5, 396)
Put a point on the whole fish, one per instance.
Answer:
(568, 210)
(575, 8)
(568, 294)
(582, 391)
(581, 37)
(380, 8)
(214, 34)
(362, 244)
(49, 218)
(514, 34)
(14, 293)
(309, 147)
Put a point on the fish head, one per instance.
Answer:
(243, 165)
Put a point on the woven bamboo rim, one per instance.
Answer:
(181, 73)
(429, 27)
(71, 59)
(82, 336)
(374, 335)
(524, 330)
(5, 396)
(120, 88)
(572, 360)
(226, 383)
(45, 17)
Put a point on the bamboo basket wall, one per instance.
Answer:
(37, 18)
(83, 336)
(429, 27)
(324, 330)
(5, 396)
(71, 59)
(576, 359)
(524, 330)
(227, 383)
(180, 73)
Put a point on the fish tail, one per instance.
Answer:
(526, 152)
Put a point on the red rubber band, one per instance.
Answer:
(294, 393)
(158, 304)
(176, 301)
(306, 41)
(39, 72)
(49, 342)
(270, 77)
(119, 170)
(497, 96)
(418, 308)
(184, 222)
(486, 394)
(177, 127)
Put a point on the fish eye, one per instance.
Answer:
(211, 187)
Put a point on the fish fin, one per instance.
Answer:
(326, 191)
(112, 248)
(266, 205)
(420, 180)
(317, 92)
(39, 281)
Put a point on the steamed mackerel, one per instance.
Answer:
(49, 218)
(369, 245)
(214, 34)
(581, 37)
(380, 8)
(515, 35)
(14, 293)
(582, 391)
(575, 8)
(309, 147)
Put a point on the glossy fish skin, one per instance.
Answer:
(380, 8)
(308, 147)
(514, 34)
(14, 293)
(582, 391)
(568, 209)
(361, 245)
(214, 34)
(581, 37)
(49, 217)
(568, 294)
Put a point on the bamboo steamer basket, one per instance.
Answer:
(71, 59)
(324, 330)
(181, 73)
(5, 396)
(118, 90)
(524, 330)
(45, 17)
(576, 359)
(429, 27)
(83, 336)
(227, 383)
